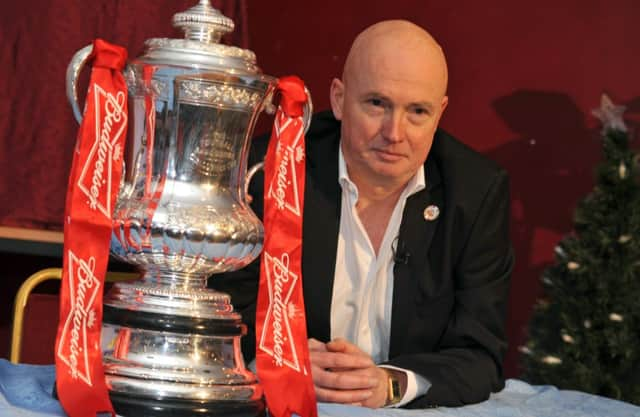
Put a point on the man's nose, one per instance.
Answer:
(393, 126)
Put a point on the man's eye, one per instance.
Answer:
(420, 111)
(376, 102)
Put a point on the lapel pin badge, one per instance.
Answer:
(431, 213)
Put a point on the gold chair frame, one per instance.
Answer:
(25, 290)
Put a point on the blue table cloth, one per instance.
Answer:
(25, 391)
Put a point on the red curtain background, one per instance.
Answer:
(524, 77)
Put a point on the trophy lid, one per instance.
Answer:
(203, 26)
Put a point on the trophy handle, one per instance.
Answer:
(307, 111)
(78, 61)
(250, 173)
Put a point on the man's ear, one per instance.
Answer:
(445, 101)
(443, 105)
(336, 94)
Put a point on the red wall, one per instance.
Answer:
(523, 79)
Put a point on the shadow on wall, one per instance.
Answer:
(551, 165)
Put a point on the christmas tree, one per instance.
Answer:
(585, 333)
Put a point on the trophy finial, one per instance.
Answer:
(203, 23)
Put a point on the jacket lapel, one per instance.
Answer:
(321, 225)
(414, 239)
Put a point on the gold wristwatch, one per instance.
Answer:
(393, 388)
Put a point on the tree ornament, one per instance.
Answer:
(622, 171)
(610, 115)
(615, 317)
(525, 350)
(573, 265)
(624, 239)
(552, 360)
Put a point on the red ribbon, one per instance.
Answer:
(91, 195)
(282, 354)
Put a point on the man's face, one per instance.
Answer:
(390, 110)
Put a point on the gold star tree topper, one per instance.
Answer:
(610, 114)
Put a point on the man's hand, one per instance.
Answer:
(342, 373)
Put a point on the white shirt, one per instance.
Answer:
(363, 283)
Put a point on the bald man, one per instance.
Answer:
(406, 252)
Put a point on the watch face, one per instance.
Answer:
(393, 393)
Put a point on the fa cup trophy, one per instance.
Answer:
(171, 347)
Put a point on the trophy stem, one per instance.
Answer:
(175, 280)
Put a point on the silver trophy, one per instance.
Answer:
(171, 347)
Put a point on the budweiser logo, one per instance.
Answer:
(276, 338)
(84, 288)
(95, 178)
(284, 188)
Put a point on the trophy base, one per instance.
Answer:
(132, 406)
